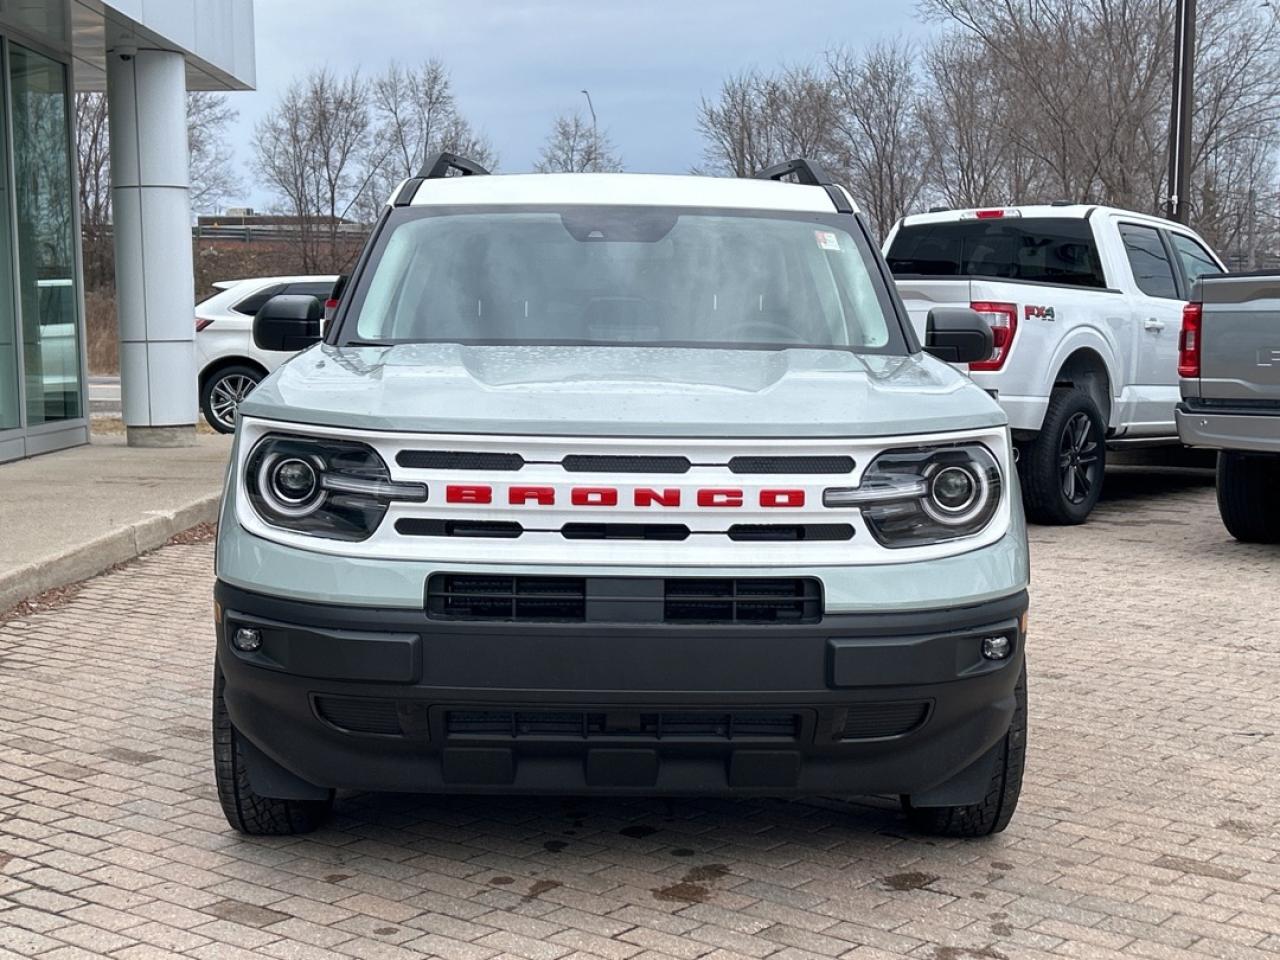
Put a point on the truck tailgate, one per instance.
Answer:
(1240, 338)
(921, 296)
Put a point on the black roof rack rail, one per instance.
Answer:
(805, 171)
(440, 165)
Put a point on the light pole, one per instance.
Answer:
(1178, 206)
(595, 132)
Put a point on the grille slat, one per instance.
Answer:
(458, 460)
(809, 465)
(418, 527)
(749, 532)
(602, 463)
(624, 531)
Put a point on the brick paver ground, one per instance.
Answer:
(1148, 826)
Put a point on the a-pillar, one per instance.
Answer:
(151, 208)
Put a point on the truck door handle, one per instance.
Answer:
(1153, 324)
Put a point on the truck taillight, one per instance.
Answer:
(1003, 320)
(1189, 341)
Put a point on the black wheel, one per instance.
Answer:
(245, 810)
(996, 810)
(1246, 496)
(223, 392)
(1062, 468)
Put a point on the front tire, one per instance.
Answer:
(996, 809)
(1063, 467)
(1246, 501)
(224, 391)
(246, 810)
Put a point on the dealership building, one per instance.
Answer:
(146, 54)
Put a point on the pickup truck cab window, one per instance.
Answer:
(607, 277)
(1152, 270)
(1040, 250)
(1196, 260)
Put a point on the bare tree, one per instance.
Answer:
(575, 145)
(309, 150)
(762, 119)
(93, 163)
(876, 129)
(212, 173)
(414, 115)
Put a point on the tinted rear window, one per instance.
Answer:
(1037, 250)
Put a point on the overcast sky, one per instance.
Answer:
(517, 63)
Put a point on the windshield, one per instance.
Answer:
(623, 276)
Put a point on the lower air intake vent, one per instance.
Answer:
(418, 527)
(450, 460)
(749, 600)
(709, 725)
(360, 715)
(597, 463)
(624, 531)
(747, 532)
(455, 596)
(870, 721)
(773, 600)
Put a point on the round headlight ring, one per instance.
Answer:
(965, 512)
(296, 502)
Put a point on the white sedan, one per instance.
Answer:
(229, 362)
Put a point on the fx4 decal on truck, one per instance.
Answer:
(1040, 313)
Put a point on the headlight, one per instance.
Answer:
(338, 489)
(925, 495)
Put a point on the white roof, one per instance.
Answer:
(1071, 211)
(624, 189)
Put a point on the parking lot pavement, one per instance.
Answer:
(1148, 826)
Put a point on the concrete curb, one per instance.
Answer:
(90, 559)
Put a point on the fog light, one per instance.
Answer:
(246, 639)
(996, 648)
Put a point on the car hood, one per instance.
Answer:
(622, 391)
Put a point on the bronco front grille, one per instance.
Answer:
(687, 600)
(588, 725)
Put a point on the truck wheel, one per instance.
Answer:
(1246, 501)
(1062, 468)
(996, 810)
(245, 810)
(222, 394)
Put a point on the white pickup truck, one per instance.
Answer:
(1086, 305)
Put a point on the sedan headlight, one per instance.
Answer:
(338, 489)
(926, 495)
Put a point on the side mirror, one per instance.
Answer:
(958, 335)
(288, 322)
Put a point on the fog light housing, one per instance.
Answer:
(997, 648)
(246, 639)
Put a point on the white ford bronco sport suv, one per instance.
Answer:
(1086, 304)
(623, 484)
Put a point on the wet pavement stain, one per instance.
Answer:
(1001, 865)
(682, 852)
(694, 888)
(336, 877)
(967, 953)
(501, 881)
(386, 931)
(554, 846)
(912, 880)
(538, 888)
(1240, 828)
(638, 832)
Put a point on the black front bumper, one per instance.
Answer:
(389, 700)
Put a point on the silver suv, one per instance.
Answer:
(621, 484)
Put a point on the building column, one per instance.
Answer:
(151, 209)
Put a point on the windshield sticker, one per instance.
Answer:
(827, 240)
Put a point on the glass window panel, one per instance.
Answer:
(10, 415)
(1152, 271)
(46, 236)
